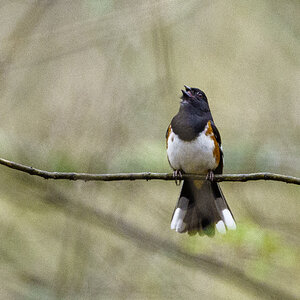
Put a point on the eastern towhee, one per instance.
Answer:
(194, 146)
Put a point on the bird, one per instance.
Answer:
(193, 145)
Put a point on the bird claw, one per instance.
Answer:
(210, 176)
(177, 174)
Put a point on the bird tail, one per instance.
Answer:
(201, 208)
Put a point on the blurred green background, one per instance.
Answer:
(91, 86)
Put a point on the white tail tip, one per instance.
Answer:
(221, 227)
(228, 219)
(180, 226)
(177, 220)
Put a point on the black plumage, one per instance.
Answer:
(202, 201)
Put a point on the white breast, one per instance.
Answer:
(194, 156)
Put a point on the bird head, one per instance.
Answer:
(193, 94)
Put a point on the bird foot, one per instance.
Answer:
(177, 174)
(210, 176)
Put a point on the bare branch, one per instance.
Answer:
(145, 175)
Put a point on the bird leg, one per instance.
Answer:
(210, 176)
(177, 174)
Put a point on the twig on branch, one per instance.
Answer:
(145, 175)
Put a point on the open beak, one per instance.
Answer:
(186, 94)
(187, 88)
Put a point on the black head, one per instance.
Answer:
(191, 94)
(194, 97)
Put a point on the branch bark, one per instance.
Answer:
(145, 175)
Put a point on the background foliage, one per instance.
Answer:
(90, 86)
